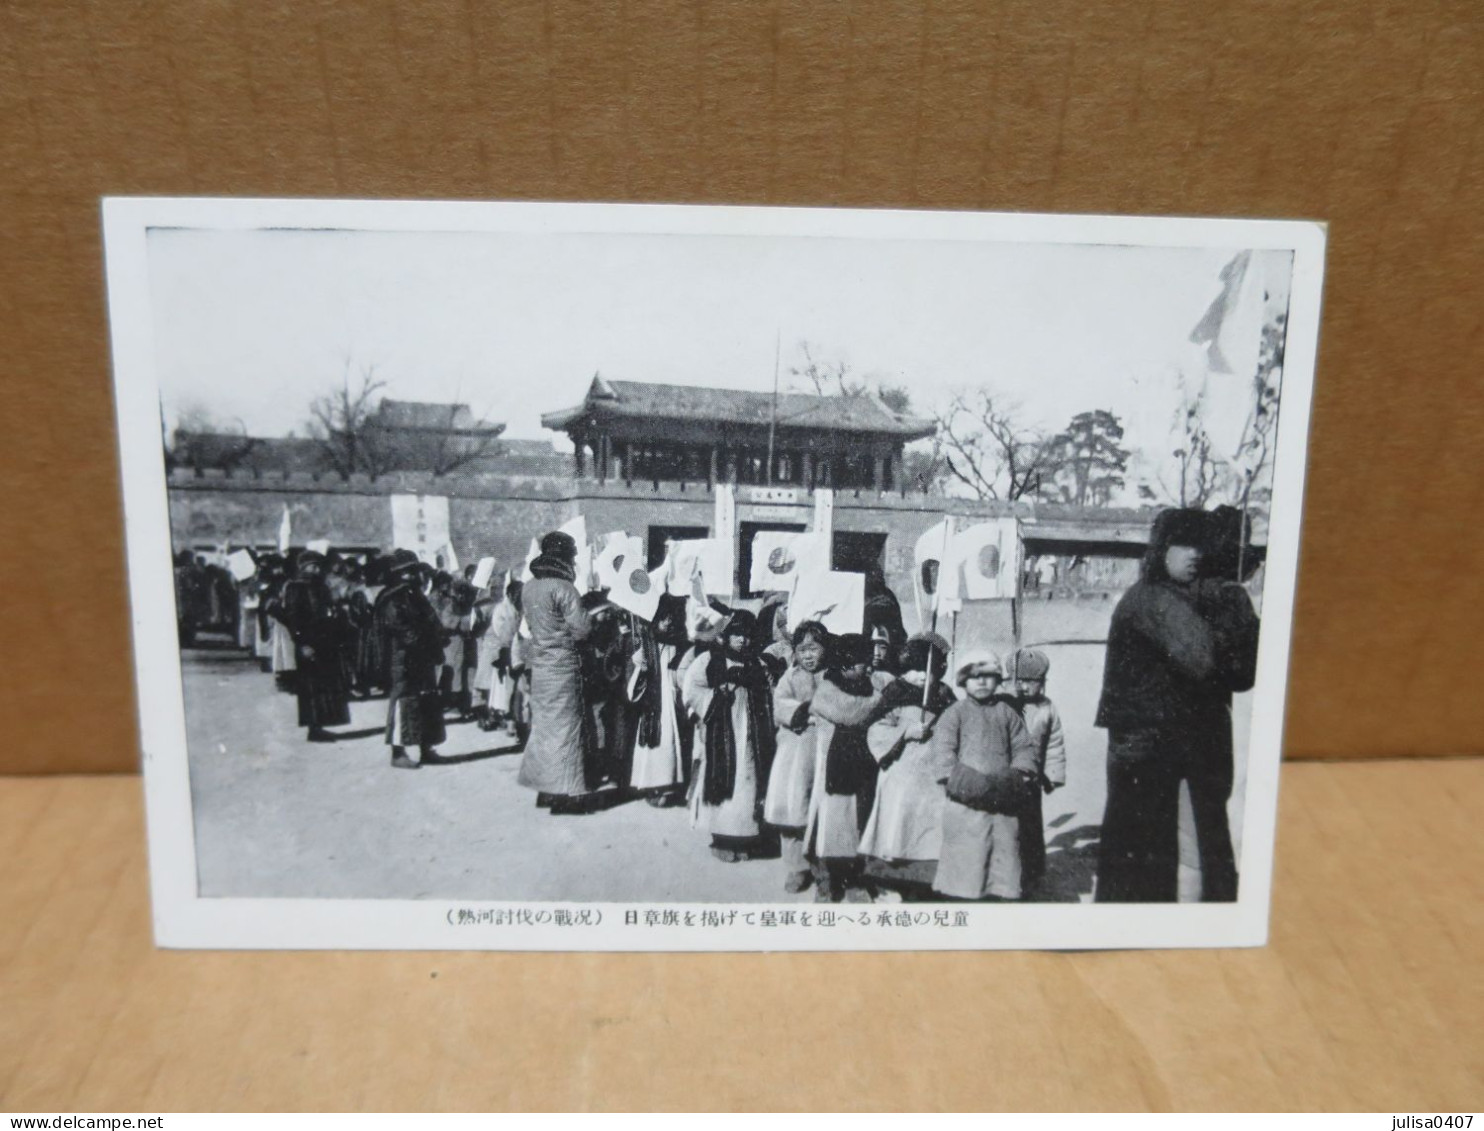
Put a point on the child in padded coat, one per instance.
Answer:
(845, 704)
(992, 768)
(791, 782)
(1028, 671)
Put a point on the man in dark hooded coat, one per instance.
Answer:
(308, 612)
(1179, 645)
(413, 637)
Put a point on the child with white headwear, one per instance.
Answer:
(992, 768)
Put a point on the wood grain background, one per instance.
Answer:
(1363, 113)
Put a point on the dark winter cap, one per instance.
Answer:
(1029, 664)
(852, 648)
(917, 650)
(559, 545)
(401, 561)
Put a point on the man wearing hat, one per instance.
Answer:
(307, 612)
(560, 755)
(413, 637)
(1179, 644)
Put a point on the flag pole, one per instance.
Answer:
(773, 415)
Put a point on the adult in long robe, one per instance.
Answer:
(414, 640)
(1178, 647)
(728, 692)
(307, 612)
(559, 757)
(661, 731)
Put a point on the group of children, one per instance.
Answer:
(860, 760)
(878, 776)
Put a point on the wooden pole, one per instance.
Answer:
(773, 416)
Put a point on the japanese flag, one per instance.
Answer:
(620, 552)
(935, 582)
(780, 556)
(636, 589)
(988, 557)
(531, 555)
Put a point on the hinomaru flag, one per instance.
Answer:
(934, 576)
(987, 559)
(620, 552)
(577, 528)
(636, 589)
(780, 556)
(835, 599)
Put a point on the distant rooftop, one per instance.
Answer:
(641, 400)
(430, 416)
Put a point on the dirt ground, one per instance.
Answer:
(276, 816)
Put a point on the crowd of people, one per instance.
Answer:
(863, 761)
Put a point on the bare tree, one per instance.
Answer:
(1202, 476)
(987, 448)
(341, 422)
(826, 378)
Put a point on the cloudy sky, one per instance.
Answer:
(251, 326)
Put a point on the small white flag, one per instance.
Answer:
(241, 565)
(834, 598)
(285, 531)
(484, 573)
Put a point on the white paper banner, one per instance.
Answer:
(420, 524)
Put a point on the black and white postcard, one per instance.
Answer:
(638, 577)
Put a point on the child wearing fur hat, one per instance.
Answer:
(1028, 671)
(903, 837)
(845, 703)
(991, 768)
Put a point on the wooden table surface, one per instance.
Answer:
(1368, 997)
